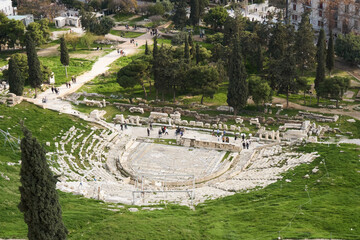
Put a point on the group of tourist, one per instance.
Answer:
(153, 31)
(179, 131)
(121, 52)
(225, 139)
(55, 90)
(122, 126)
(163, 131)
(134, 42)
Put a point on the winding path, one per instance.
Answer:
(56, 103)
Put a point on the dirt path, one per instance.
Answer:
(50, 51)
(350, 113)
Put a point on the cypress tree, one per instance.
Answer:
(194, 12)
(39, 198)
(330, 56)
(320, 59)
(238, 86)
(64, 54)
(35, 74)
(155, 67)
(187, 50)
(16, 80)
(191, 44)
(197, 55)
(304, 43)
(180, 14)
(146, 48)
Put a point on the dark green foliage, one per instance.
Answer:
(187, 50)
(320, 59)
(348, 47)
(16, 81)
(215, 38)
(203, 80)
(233, 27)
(155, 68)
(21, 61)
(134, 73)
(156, 9)
(39, 198)
(330, 55)
(304, 44)
(14, 33)
(202, 5)
(35, 74)
(287, 74)
(191, 44)
(278, 41)
(95, 25)
(39, 31)
(334, 88)
(194, 12)
(238, 86)
(147, 52)
(64, 54)
(197, 55)
(179, 17)
(216, 17)
(259, 90)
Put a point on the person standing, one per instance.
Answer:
(148, 132)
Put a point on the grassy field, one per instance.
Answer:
(76, 67)
(126, 34)
(323, 206)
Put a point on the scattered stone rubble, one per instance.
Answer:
(319, 117)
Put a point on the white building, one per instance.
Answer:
(26, 19)
(70, 18)
(6, 7)
(340, 16)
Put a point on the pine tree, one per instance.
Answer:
(330, 56)
(304, 44)
(180, 14)
(194, 12)
(320, 59)
(197, 55)
(35, 74)
(39, 198)
(16, 80)
(187, 50)
(156, 66)
(146, 48)
(238, 86)
(64, 54)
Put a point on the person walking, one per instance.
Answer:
(148, 132)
